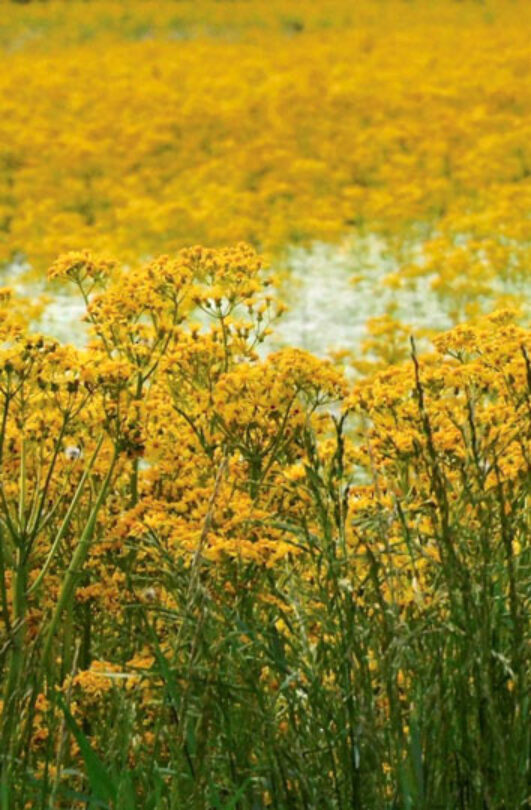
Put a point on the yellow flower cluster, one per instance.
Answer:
(198, 536)
(168, 451)
(212, 444)
(440, 435)
(412, 121)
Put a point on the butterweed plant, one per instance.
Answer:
(231, 577)
(230, 581)
(278, 123)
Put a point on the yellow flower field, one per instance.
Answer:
(233, 575)
(274, 124)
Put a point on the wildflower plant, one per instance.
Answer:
(233, 575)
(200, 541)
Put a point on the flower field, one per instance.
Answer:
(236, 574)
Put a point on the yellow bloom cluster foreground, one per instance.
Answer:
(273, 123)
(188, 530)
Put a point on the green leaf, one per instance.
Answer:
(216, 801)
(100, 782)
(416, 758)
(126, 793)
(237, 796)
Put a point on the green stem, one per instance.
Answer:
(14, 677)
(76, 563)
(68, 517)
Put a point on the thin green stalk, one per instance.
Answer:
(77, 563)
(14, 677)
(67, 518)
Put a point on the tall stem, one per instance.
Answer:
(15, 671)
(76, 564)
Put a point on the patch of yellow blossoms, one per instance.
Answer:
(210, 446)
(274, 124)
(167, 455)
